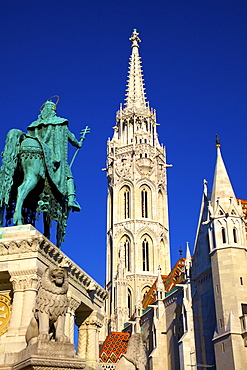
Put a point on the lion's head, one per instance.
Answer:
(55, 280)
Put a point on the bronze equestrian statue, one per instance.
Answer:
(35, 176)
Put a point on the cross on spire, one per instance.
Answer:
(135, 91)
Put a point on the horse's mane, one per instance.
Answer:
(9, 164)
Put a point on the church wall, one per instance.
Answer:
(230, 277)
(174, 328)
(204, 317)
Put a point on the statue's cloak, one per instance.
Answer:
(53, 134)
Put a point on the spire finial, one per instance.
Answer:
(134, 38)
(217, 141)
(135, 92)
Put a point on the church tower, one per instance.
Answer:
(228, 257)
(137, 219)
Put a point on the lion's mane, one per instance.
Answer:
(52, 298)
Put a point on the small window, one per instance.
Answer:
(145, 255)
(146, 155)
(235, 239)
(223, 347)
(244, 308)
(217, 289)
(223, 232)
(144, 204)
(129, 303)
(241, 281)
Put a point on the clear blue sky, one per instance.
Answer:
(194, 55)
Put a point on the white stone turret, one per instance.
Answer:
(137, 219)
(228, 259)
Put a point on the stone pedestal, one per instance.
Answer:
(24, 255)
(48, 354)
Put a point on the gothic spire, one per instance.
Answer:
(135, 91)
(222, 188)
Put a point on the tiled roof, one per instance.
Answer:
(176, 276)
(114, 346)
(243, 203)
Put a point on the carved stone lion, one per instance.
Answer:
(51, 307)
(135, 357)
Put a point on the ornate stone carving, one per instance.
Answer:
(145, 166)
(73, 304)
(48, 250)
(94, 320)
(51, 307)
(5, 312)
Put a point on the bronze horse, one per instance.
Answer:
(34, 179)
(23, 170)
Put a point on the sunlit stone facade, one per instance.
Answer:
(137, 219)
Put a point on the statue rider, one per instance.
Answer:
(53, 134)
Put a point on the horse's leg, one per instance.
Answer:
(47, 221)
(59, 237)
(1, 216)
(30, 181)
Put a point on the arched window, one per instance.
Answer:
(126, 202)
(144, 203)
(144, 291)
(223, 232)
(129, 303)
(145, 255)
(235, 235)
(127, 253)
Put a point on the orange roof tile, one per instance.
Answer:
(114, 346)
(243, 203)
(176, 276)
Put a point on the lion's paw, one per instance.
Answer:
(44, 336)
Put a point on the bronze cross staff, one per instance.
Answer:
(83, 134)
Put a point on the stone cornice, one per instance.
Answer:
(39, 244)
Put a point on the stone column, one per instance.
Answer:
(70, 318)
(82, 341)
(17, 306)
(30, 292)
(88, 340)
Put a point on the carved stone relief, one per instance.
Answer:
(5, 312)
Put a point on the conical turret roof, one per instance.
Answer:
(222, 187)
(135, 91)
